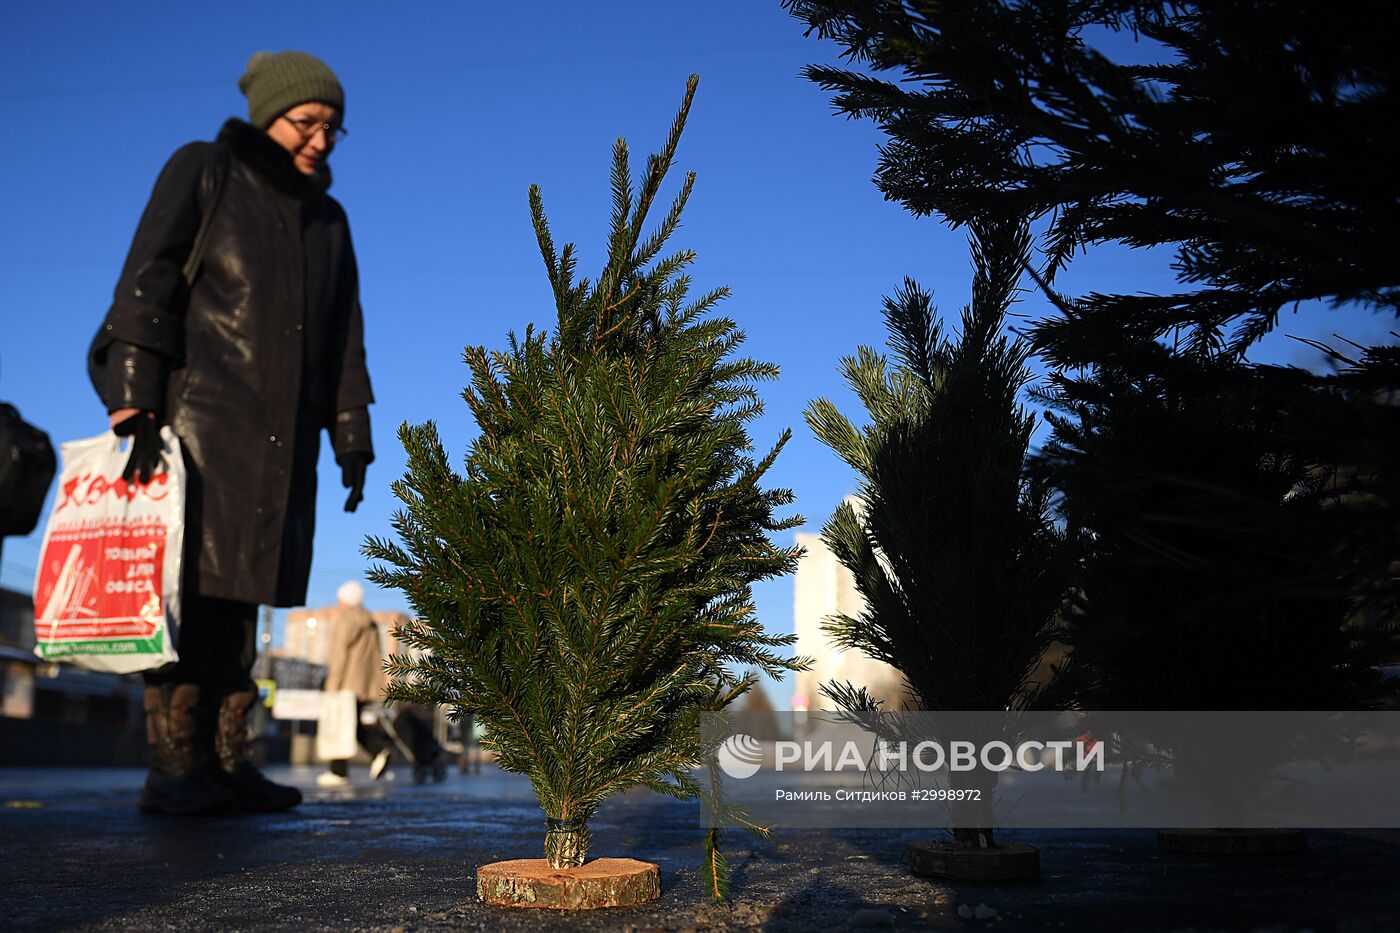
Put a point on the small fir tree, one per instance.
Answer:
(584, 587)
(961, 568)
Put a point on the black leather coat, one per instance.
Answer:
(249, 364)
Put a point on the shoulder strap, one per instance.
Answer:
(201, 238)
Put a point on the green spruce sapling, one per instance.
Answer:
(584, 587)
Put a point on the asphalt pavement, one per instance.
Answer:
(76, 854)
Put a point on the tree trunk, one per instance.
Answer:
(974, 818)
(974, 838)
(566, 843)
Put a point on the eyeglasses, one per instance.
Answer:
(307, 128)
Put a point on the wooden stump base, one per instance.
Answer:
(603, 882)
(946, 860)
(1232, 841)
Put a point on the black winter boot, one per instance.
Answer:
(251, 788)
(179, 782)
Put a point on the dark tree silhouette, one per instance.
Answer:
(1256, 139)
(962, 571)
(1238, 512)
(1222, 571)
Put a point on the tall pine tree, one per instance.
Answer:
(584, 587)
(1253, 140)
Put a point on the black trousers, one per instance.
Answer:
(217, 643)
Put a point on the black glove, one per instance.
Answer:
(352, 477)
(146, 446)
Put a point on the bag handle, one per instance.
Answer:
(201, 238)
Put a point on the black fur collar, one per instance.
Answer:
(260, 152)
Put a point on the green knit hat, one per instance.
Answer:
(275, 82)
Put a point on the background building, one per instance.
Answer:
(823, 587)
(307, 635)
(56, 714)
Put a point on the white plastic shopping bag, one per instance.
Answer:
(335, 730)
(107, 594)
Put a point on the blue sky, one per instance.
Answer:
(453, 111)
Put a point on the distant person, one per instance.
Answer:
(247, 356)
(355, 662)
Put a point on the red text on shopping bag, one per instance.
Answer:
(102, 579)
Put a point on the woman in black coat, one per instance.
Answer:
(247, 358)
